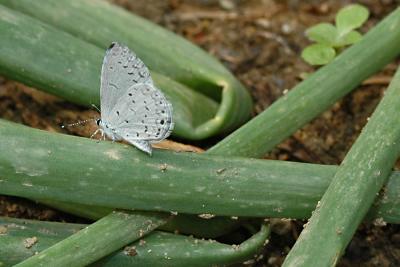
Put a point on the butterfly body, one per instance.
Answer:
(108, 130)
(132, 108)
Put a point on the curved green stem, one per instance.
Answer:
(157, 249)
(99, 23)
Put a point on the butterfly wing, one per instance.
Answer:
(121, 69)
(142, 114)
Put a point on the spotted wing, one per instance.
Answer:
(142, 113)
(120, 70)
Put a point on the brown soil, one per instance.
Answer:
(260, 41)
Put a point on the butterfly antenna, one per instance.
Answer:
(77, 123)
(93, 105)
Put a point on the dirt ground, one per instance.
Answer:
(260, 41)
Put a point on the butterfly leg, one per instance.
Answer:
(95, 132)
(101, 132)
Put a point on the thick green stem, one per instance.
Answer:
(354, 187)
(43, 165)
(93, 246)
(317, 93)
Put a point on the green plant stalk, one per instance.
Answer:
(88, 242)
(159, 248)
(101, 23)
(42, 165)
(73, 72)
(354, 187)
(317, 93)
(183, 224)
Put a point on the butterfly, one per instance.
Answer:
(132, 107)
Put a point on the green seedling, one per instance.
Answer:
(330, 39)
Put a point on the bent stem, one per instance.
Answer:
(156, 249)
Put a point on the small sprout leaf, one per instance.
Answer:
(348, 39)
(350, 18)
(331, 39)
(323, 33)
(318, 54)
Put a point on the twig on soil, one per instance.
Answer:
(279, 39)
